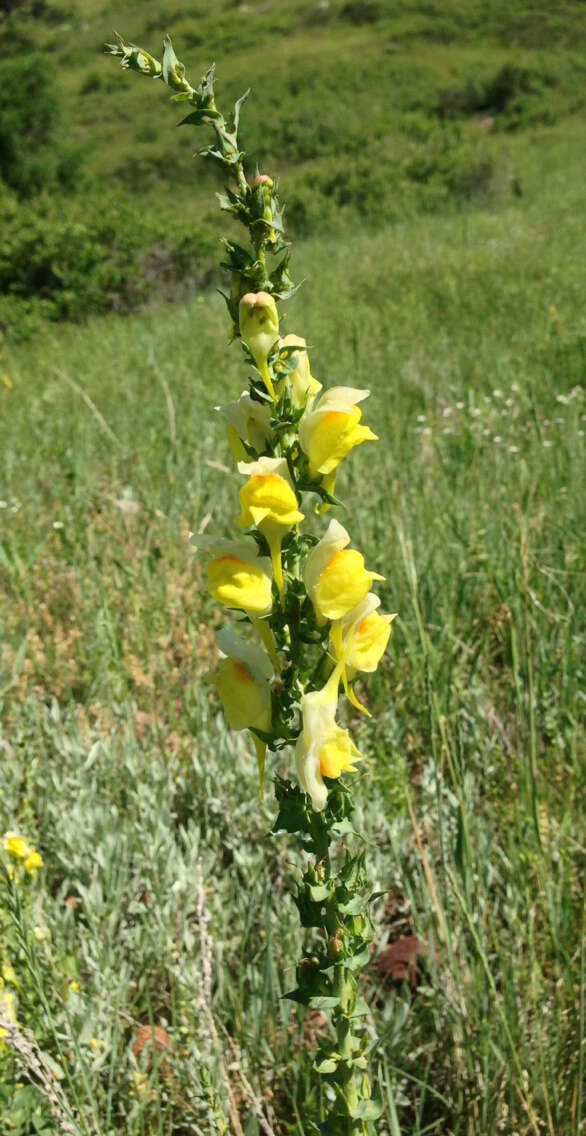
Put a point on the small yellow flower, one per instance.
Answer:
(238, 577)
(301, 382)
(16, 846)
(42, 934)
(242, 680)
(74, 987)
(335, 576)
(331, 429)
(323, 748)
(249, 421)
(33, 862)
(9, 976)
(259, 328)
(269, 503)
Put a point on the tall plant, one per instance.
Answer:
(307, 603)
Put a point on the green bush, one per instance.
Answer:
(515, 95)
(31, 159)
(96, 256)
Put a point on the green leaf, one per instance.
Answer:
(367, 1110)
(357, 961)
(173, 70)
(237, 105)
(327, 1065)
(323, 1002)
(344, 828)
(361, 1009)
(197, 117)
(319, 892)
(300, 996)
(353, 906)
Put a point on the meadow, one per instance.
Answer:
(436, 208)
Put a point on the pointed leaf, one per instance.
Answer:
(199, 116)
(237, 105)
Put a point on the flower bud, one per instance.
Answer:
(335, 577)
(269, 503)
(263, 179)
(259, 328)
(330, 430)
(301, 382)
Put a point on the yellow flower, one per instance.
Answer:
(323, 748)
(16, 846)
(330, 430)
(259, 328)
(301, 382)
(249, 421)
(242, 680)
(33, 862)
(359, 641)
(269, 503)
(238, 577)
(9, 976)
(335, 576)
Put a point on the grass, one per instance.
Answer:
(163, 902)
(472, 342)
(443, 104)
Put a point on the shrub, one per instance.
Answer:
(514, 94)
(96, 256)
(31, 159)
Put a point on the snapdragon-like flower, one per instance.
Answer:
(300, 382)
(259, 328)
(241, 579)
(335, 576)
(248, 421)
(269, 503)
(242, 680)
(323, 748)
(238, 577)
(359, 641)
(331, 429)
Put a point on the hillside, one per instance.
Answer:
(370, 113)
